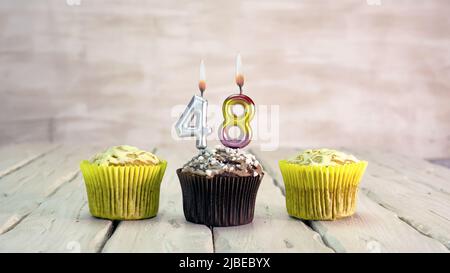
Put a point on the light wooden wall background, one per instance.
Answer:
(345, 73)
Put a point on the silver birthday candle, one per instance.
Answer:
(193, 121)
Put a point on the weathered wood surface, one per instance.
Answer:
(60, 224)
(376, 227)
(403, 207)
(272, 230)
(418, 204)
(23, 191)
(412, 169)
(14, 157)
(168, 231)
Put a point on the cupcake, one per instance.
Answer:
(219, 187)
(322, 184)
(123, 183)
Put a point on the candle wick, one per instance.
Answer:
(240, 89)
(201, 93)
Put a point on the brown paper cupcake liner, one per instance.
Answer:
(219, 201)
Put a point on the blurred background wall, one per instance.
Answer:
(365, 74)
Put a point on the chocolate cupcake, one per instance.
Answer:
(219, 187)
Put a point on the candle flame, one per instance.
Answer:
(239, 74)
(202, 81)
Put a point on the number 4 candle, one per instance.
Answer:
(196, 111)
(232, 120)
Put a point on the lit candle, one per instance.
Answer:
(196, 111)
(231, 119)
(239, 74)
(202, 81)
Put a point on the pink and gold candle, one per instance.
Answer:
(233, 120)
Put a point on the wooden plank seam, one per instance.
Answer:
(26, 161)
(278, 184)
(315, 226)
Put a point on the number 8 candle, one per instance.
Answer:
(232, 120)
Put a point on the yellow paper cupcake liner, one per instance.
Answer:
(321, 192)
(123, 192)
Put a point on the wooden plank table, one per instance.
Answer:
(403, 206)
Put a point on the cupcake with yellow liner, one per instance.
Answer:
(123, 183)
(322, 184)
